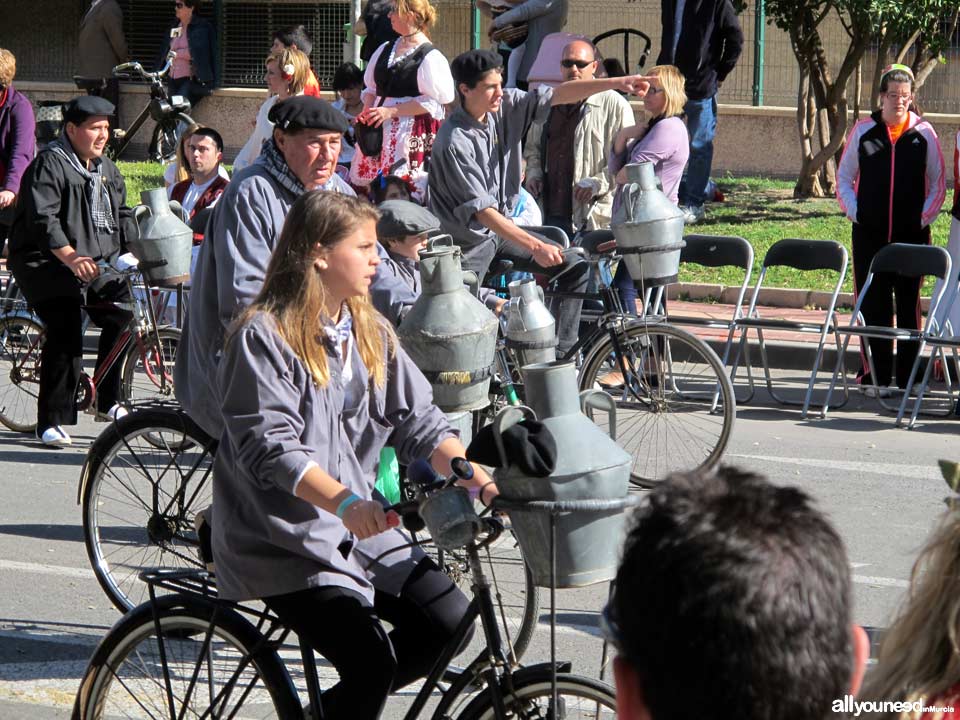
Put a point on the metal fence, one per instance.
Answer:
(42, 33)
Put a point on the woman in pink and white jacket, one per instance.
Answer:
(891, 185)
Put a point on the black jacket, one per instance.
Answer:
(710, 43)
(54, 212)
(202, 39)
(894, 191)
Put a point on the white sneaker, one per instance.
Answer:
(55, 437)
(692, 214)
(871, 391)
(116, 412)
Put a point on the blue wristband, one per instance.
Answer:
(347, 502)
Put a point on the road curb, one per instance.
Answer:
(791, 298)
(787, 355)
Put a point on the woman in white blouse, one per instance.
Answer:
(286, 75)
(408, 83)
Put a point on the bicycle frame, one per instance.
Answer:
(493, 661)
(158, 95)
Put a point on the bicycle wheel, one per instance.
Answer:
(518, 604)
(532, 699)
(163, 143)
(21, 340)
(148, 372)
(221, 669)
(675, 404)
(145, 478)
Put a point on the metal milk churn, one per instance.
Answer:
(590, 466)
(449, 333)
(648, 228)
(530, 326)
(164, 241)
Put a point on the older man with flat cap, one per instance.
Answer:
(241, 235)
(475, 174)
(72, 215)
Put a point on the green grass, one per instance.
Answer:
(758, 209)
(140, 176)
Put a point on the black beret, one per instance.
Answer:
(85, 106)
(307, 112)
(400, 217)
(468, 67)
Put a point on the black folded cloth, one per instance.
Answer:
(528, 444)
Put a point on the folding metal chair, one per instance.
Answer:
(718, 251)
(806, 256)
(941, 340)
(907, 260)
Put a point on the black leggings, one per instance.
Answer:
(341, 625)
(886, 293)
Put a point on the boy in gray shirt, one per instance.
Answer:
(475, 175)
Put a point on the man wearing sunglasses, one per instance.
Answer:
(733, 600)
(567, 155)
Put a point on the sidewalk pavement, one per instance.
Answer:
(786, 350)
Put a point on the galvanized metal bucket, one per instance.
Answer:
(164, 242)
(648, 228)
(450, 517)
(589, 466)
(449, 333)
(531, 329)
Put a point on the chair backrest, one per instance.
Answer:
(717, 251)
(546, 68)
(912, 260)
(807, 255)
(617, 44)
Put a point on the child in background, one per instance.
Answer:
(348, 84)
(391, 187)
(403, 230)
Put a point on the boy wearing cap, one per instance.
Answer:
(72, 215)
(475, 174)
(403, 230)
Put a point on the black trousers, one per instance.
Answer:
(344, 628)
(189, 88)
(62, 352)
(886, 292)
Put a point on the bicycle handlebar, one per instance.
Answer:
(136, 67)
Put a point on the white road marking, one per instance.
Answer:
(916, 472)
(74, 572)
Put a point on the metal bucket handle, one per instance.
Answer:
(177, 209)
(138, 212)
(472, 282)
(629, 190)
(440, 241)
(505, 419)
(601, 401)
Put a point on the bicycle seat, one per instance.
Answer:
(89, 85)
(500, 266)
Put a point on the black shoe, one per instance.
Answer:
(205, 549)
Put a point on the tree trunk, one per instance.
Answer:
(808, 180)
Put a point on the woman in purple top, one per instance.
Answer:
(663, 141)
(17, 141)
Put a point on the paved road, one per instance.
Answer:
(878, 484)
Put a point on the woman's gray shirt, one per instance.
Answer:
(276, 422)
